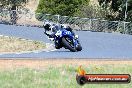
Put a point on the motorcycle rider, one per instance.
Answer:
(54, 28)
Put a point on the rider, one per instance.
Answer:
(54, 28)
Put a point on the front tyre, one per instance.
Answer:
(68, 45)
(79, 47)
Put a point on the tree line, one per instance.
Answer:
(107, 9)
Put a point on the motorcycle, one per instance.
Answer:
(66, 39)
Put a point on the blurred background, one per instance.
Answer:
(90, 15)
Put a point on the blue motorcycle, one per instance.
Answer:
(66, 39)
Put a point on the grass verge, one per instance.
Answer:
(58, 76)
(12, 44)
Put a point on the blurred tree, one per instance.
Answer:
(13, 4)
(61, 7)
(118, 7)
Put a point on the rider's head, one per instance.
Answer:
(47, 26)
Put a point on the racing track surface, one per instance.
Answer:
(95, 44)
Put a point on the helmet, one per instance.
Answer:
(47, 26)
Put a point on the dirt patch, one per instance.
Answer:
(41, 64)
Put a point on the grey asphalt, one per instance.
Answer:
(95, 44)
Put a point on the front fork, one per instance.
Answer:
(76, 42)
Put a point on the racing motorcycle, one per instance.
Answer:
(66, 39)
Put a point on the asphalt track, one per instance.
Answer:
(95, 44)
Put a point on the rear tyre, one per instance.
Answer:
(67, 45)
(57, 46)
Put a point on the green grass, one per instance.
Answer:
(59, 77)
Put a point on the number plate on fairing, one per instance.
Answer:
(68, 32)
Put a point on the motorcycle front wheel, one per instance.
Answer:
(79, 47)
(68, 44)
